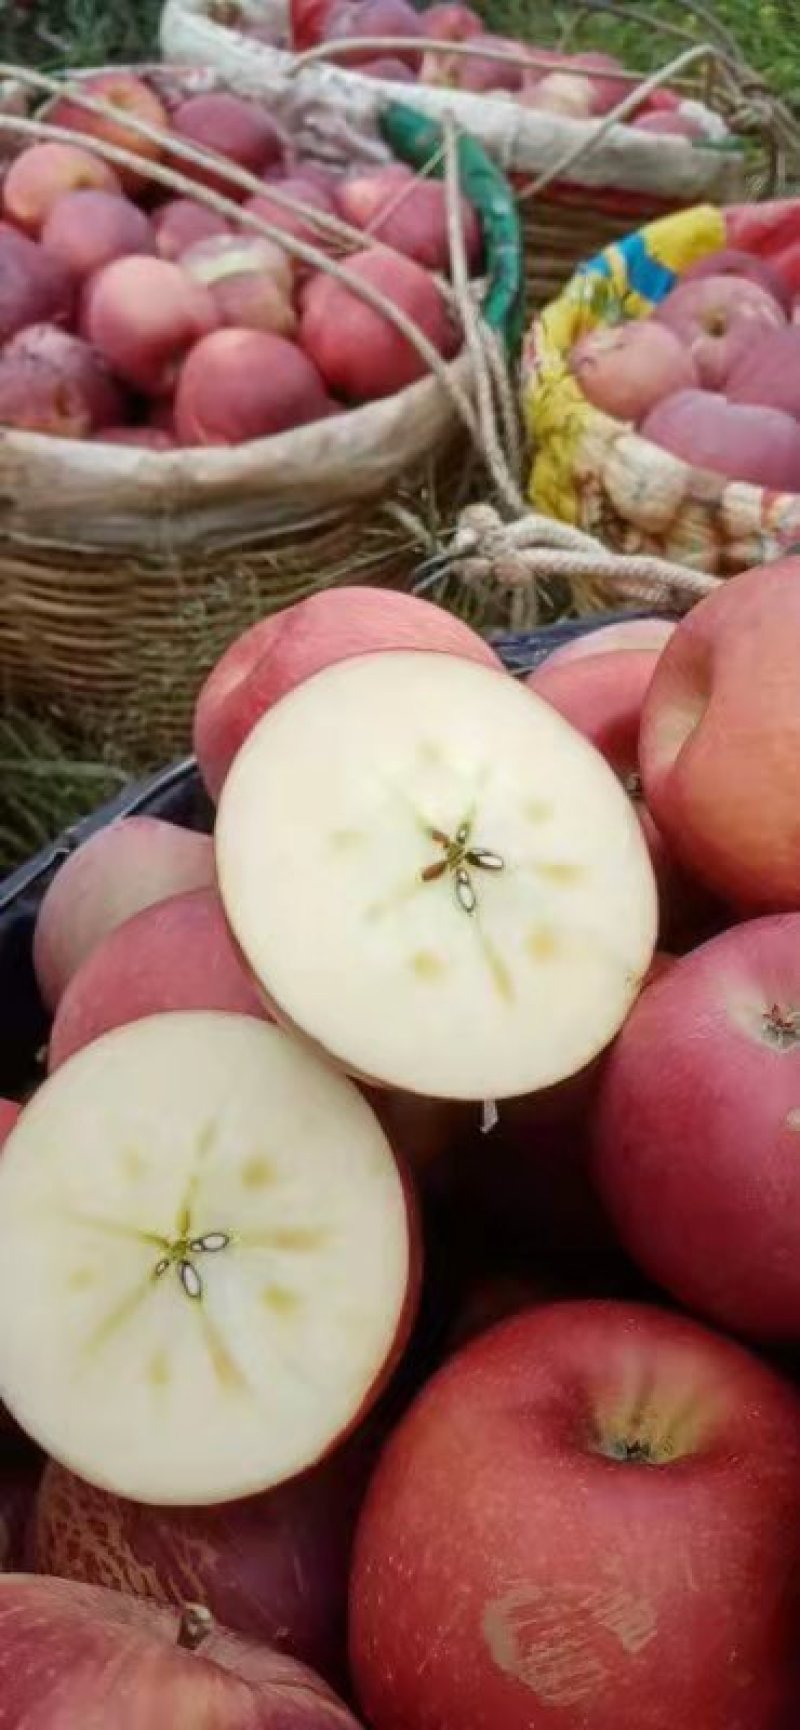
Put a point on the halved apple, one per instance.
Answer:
(435, 878)
(207, 1260)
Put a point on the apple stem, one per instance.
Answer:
(195, 1625)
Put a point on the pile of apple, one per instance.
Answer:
(131, 316)
(394, 1260)
(713, 374)
(584, 86)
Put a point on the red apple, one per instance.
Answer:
(447, 22)
(608, 84)
(623, 634)
(70, 1654)
(759, 445)
(88, 393)
(129, 94)
(525, 1553)
(39, 178)
(360, 355)
(697, 1129)
(483, 73)
(133, 863)
(33, 287)
(768, 375)
(246, 384)
(9, 1112)
(181, 223)
(627, 369)
(394, 206)
(249, 278)
(273, 1567)
(719, 318)
(232, 127)
(279, 653)
(292, 222)
(377, 18)
(720, 740)
(86, 230)
(144, 315)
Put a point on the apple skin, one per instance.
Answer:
(246, 384)
(77, 367)
(521, 1562)
(34, 288)
(627, 369)
(267, 661)
(719, 318)
(624, 634)
(408, 214)
(181, 223)
(758, 445)
(294, 223)
(129, 865)
(733, 261)
(249, 278)
(486, 74)
(81, 1655)
(232, 127)
(38, 179)
(696, 1130)
(126, 92)
(379, 18)
(86, 230)
(274, 1568)
(360, 354)
(149, 438)
(176, 954)
(144, 315)
(769, 377)
(720, 740)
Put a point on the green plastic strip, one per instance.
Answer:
(416, 139)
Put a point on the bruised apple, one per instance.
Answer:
(627, 369)
(144, 315)
(449, 851)
(232, 127)
(79, 379)
(72, 1654)
(246, 384)
(209, 1252)
(360, 353)
(41, 175)
(86, 230)
(132, 863)
(273, 1567)
(737, 440)
(249, 278)
(719, 318)
(175, 954)
(181, 223)
(528, 1539)
(719, 740)
(280, 652)
(409, 214)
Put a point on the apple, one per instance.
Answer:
(181, 223)
(78, 375)
(232, 127)
(246, 384)
(482, 73)
(147, 437)
(627, 369)
(9, 1112)
(37, 398)
(215, 1252)
(394, 206)
(449, 850)
(757, 445)
(376, 18)
(767, 377)
(272, 1567)
(608, 85)
(144, 315)
(33, 286)
(360, 354)
(719, 318)
(70, 1654)
(87, 229)
(129, 94)
(267, 661)
(719, 740)
(388, 66)
(129, 865)
(305, 191)
(250, 280)
(622, 634)
(38, 179)
(447, 22)
(528, 1539)
(697, 1124)
(175, 954)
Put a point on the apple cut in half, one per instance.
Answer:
(435, 878)
(207, 1260)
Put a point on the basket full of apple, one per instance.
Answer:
(399, 1193)
(231, 351)
(661, 390)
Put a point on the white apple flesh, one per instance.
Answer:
(435, 878)
(206, 1260)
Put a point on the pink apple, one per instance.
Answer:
(90, 394)
(635, 634)
(447, 22)
(759, 445)
(86, 230)
(733, 261)
(246, 384)
(482, 73)
(360, 354)
(719, 318)
(279, 653)
(134, 862)
(627, 369)
(394, 206)
(388, 66)
(528, 1540)
(129, 94)
(768, 376)
(609, 85)
(33, 287)
(39, 178)
(232, 127)
(144, 315)
(376, 18)
(181, 223)
(249, 278)
(697, 1128)
(720, 739)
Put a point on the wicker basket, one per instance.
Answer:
(124, 573)
(581, 184)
